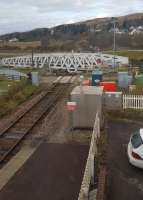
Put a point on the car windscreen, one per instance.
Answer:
(136, 140)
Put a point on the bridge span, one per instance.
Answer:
(71, 62)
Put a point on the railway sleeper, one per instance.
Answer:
(15, 134)
(16, 130)
(6, 143)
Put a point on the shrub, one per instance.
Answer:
(17, 94)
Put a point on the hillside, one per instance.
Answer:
(33, 35)
(131, 20)
(87, 35)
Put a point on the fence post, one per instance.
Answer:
(92, 168)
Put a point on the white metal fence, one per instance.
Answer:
(89, 169)
(133, 101)
(11, 74)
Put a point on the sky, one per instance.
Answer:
(23, 15)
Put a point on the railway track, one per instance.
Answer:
(13, 135)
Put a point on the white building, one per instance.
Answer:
(140, 28)
(13, 40)
(135, 31)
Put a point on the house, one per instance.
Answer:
(135, 31)
(117, 31)
(131, 28)
(98, 30)
(121, 32)
(112, 30)
(52, 32)
(140, 28)
(13, 40)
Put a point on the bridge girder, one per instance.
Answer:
(72, 62)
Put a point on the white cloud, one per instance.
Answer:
(71, 21)
(21, 15)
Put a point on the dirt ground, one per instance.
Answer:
(125, 182)
(56, 128)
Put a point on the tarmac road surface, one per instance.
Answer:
(125, 182)
(53, 172)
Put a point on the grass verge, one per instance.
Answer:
(6, 84)
(20, 45)
(101, 160)
(130, 114)
(137, 55)
(26, 70)
(17, 94)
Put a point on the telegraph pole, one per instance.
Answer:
(114, 41)
(114, 48)
(32, 58)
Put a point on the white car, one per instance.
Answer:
(135, 149)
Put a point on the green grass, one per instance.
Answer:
(17, 94)
(102, 149)
(6, 84)
(21, 45)
(130, 114)
(139, 84)
(26, 70)
(137, 55)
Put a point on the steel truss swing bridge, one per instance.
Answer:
(71, 62)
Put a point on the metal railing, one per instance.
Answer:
(72, 62)
(89, 169)
(11, 74)
(133, 102)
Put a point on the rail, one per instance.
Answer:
(14, 134)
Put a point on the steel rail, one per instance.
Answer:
(17, 132)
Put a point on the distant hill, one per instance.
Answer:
(32, 35)
(131, 20)
(87, 35)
